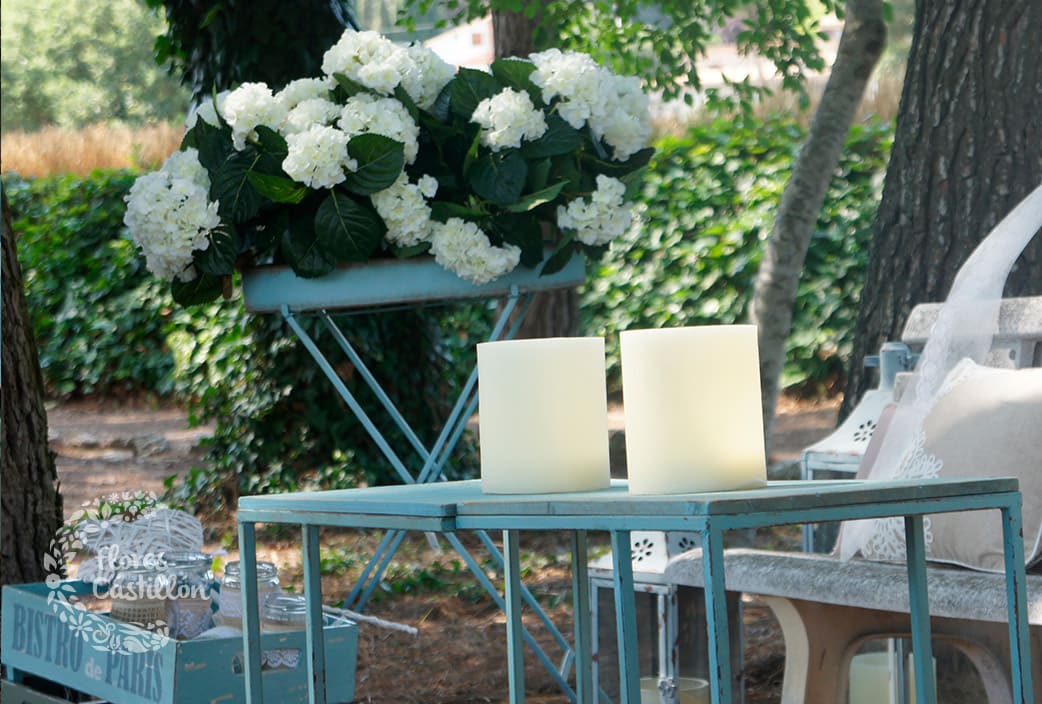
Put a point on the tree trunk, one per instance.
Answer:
(31, 505)
(864, 36)
(967, 148)
(553, 313)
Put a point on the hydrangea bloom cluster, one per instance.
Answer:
(367, 113)
(508, 117)
(404, 209)
(464, 168)
(381, 65)
(248, 106)
(318, 156)
(462, 247)
(613, 106)
(600, 219)
(170, 215)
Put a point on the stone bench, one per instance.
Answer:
(828, 608)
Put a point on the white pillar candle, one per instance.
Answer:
(543, 415)
(870, 678)
(692, 405)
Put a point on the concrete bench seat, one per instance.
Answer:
(828, 608)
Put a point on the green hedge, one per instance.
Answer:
(105, 326)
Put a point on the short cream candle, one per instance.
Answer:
(543, 415)
(692, 405)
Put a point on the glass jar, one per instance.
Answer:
(189, 609)
(230, 601)
(284, 612)
(139, 596)
(281, 613)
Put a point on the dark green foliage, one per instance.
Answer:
(708, 204)
(223, 44)
(99, 316)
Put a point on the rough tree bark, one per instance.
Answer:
(553, 313)
(31, 505)
(967, 148)
(864, 36)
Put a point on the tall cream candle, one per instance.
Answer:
(692, 406)
(543, 415)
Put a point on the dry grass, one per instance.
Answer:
(58, 150)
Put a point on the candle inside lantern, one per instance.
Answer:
(543, 415)
(870, 678)
(692, 406)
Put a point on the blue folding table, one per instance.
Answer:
(452, 506)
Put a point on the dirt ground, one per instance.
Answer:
(459, 653)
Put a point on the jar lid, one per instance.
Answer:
(285, 608)
(187, 559)
(265, 570)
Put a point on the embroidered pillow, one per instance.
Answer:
(988, 424)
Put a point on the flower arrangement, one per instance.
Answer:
(393, 152)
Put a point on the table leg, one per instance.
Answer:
(1016, 599)
(625, 617)
(718, 630)
(584, 684)
(250, 615)
(316, 644)
(515, 627)
(919, 603)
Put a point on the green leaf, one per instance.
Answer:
(273, 149)
(517, 74)
(534, 200)
(220, 257)
(620, 168)
(278, 189)
(524, 231)
(538, 174)
(230, 186)
(442, 211)
(440, 109)
(562, 254)
(346, 229)
(304, 253)
(202, 289)
(350, 87)
(405, 99)
(469, 88)
(380, 161)
(499, 179)
(559, 138)
(214, 144)
(412, 251)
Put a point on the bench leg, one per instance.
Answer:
(821, 639)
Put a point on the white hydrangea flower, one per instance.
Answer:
(365, 113)
(368, 58)
(615, 107)
(572, 76)
(508, 117)
(309, 112)
(248, 106)
(424, 75)
(623, 118)
(600, 219)
(381, 65)
(462, 248)
(206, 111)
(170, 215)
(318, 157)
(296, 92)
(403, 207)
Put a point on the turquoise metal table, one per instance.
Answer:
(455, 506)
